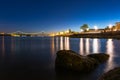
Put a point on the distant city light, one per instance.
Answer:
(57, 33)
(67, 31)
(61, 32)
(2, 33)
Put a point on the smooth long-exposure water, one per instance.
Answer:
(33, 58)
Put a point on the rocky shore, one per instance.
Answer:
(111, 75)
(70, 60)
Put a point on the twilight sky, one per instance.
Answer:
(56, 15)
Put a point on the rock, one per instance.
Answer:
(70, 60)
(101, 57)
(111, 75)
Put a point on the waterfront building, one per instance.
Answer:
(117, 26)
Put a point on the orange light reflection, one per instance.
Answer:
(67, 43)
(57, 43)
(61, 43)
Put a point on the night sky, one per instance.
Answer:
(56, 15)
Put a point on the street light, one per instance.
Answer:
(81, 30)
(110, 26)
(96, 28)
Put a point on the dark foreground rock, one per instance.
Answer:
(101, 57)
(111, 75)
(70, 60)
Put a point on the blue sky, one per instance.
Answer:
(56, 15)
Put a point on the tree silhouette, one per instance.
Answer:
(84, 27)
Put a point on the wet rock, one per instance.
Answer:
(70, 60)
(101, 57)
(111, 75)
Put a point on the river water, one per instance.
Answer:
(33, 58)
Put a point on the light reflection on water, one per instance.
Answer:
(110, 51)
(53, 47)
(81, 46)
(64, 43)
(41, 49)
(87, 45)
(67, 43)
(57, 43)
(96, 46)
(61, 43)
(12, 45)
(3, 46)
(85, 48)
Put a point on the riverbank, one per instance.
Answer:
(106, 35)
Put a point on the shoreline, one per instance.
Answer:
(105, 35)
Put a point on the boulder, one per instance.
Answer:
(101, 57)
(111, 75)
(70, 60)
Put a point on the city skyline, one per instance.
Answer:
(56, 15)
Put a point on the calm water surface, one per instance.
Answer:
(33, 58)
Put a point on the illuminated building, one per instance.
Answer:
(117, 26)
